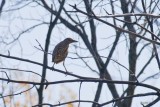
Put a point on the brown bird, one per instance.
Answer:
(60, 51)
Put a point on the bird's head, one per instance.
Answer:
(70, 40)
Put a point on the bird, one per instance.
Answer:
(60, 51)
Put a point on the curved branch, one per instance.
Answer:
(23, 71)
(40, 64)
(75, 101)
(137, 95)
(118, 28)
(87, 80)
(17, 93)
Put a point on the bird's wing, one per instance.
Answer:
(55, 51)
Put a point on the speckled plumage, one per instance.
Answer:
(60, 51)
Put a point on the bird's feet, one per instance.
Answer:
(66, 73)
(52, 68)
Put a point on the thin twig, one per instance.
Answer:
(18, 93)
(21, 71)
(79, 93)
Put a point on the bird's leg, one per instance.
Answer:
(64, 66)
(53, 67)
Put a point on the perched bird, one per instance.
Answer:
(60, 51)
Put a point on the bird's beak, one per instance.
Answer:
(74, 41)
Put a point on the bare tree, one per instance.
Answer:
(120, 39)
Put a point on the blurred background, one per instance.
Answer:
(104, 50)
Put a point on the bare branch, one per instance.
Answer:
(17, 93)
(118, 28)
